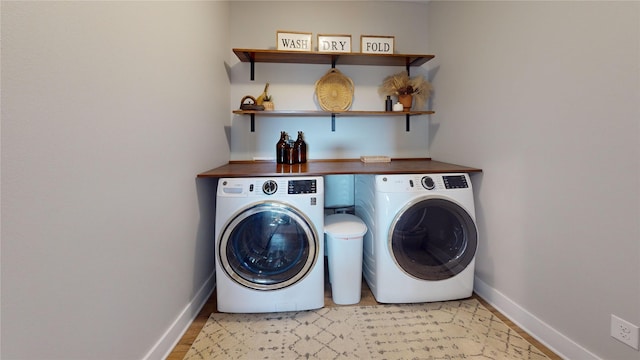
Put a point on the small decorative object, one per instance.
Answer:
(260, 98)
(300, 147)
(406, 100)
(388, 104)
(282, 149)
(400, 84)
(375, 158)
(398, 106)
(334, 91)
(265, 99)
(268, 104)
(293, 41)
(334, 43)
(249, 103)
(373, 44)
(292, 154)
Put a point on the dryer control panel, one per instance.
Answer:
(431, 183)
(455, 182)
(449, 182)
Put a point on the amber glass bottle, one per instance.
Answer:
(300, 149)
(292, 154)
(282, 149)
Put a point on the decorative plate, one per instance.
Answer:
(334, 91)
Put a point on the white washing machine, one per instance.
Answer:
(270, 244)
(422, 237)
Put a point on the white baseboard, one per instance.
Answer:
(538, 329)
(171, 337)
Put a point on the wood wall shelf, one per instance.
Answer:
(329, 113)
(298, 57)
(333, 114)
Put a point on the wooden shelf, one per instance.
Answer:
(333, 59)
(333, 114)
(329, 113)
(332, 167)
(299, 57)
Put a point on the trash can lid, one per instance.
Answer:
(344, 225)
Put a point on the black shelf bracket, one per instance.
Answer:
(410, 64)
(408, 123)
(333, 122)
(252, 61)
(253, 122)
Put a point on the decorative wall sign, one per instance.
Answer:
(334, 43)
(293, 41)
(373, 44)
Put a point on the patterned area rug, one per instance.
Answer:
(444, 330)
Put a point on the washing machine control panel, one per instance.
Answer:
(293, 187)
(302, 187)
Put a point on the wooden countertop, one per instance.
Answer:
(333, 167)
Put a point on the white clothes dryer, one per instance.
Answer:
(422, 237)
(269, 247)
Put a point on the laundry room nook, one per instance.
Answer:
(354, 212)
(298, 220)
(437, 238)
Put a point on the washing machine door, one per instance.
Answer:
(268, 246)
(433, 239)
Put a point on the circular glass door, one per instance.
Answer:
(268, 246)
(433, 239)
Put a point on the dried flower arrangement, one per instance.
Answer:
(402, 84)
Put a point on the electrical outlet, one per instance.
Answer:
(624, 331)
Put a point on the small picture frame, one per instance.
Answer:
(375, 44)
(328, 43)
(293, 41)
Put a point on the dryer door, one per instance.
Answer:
(433, 239)
(268, 246)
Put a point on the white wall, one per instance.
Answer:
(109, 110)
(254, 25)
(545, 98)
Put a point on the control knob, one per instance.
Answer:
(428, 183)
(269, 187)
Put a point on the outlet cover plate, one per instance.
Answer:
(624, 331)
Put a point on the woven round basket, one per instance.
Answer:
(334, 91)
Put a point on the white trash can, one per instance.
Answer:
(344, 233)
